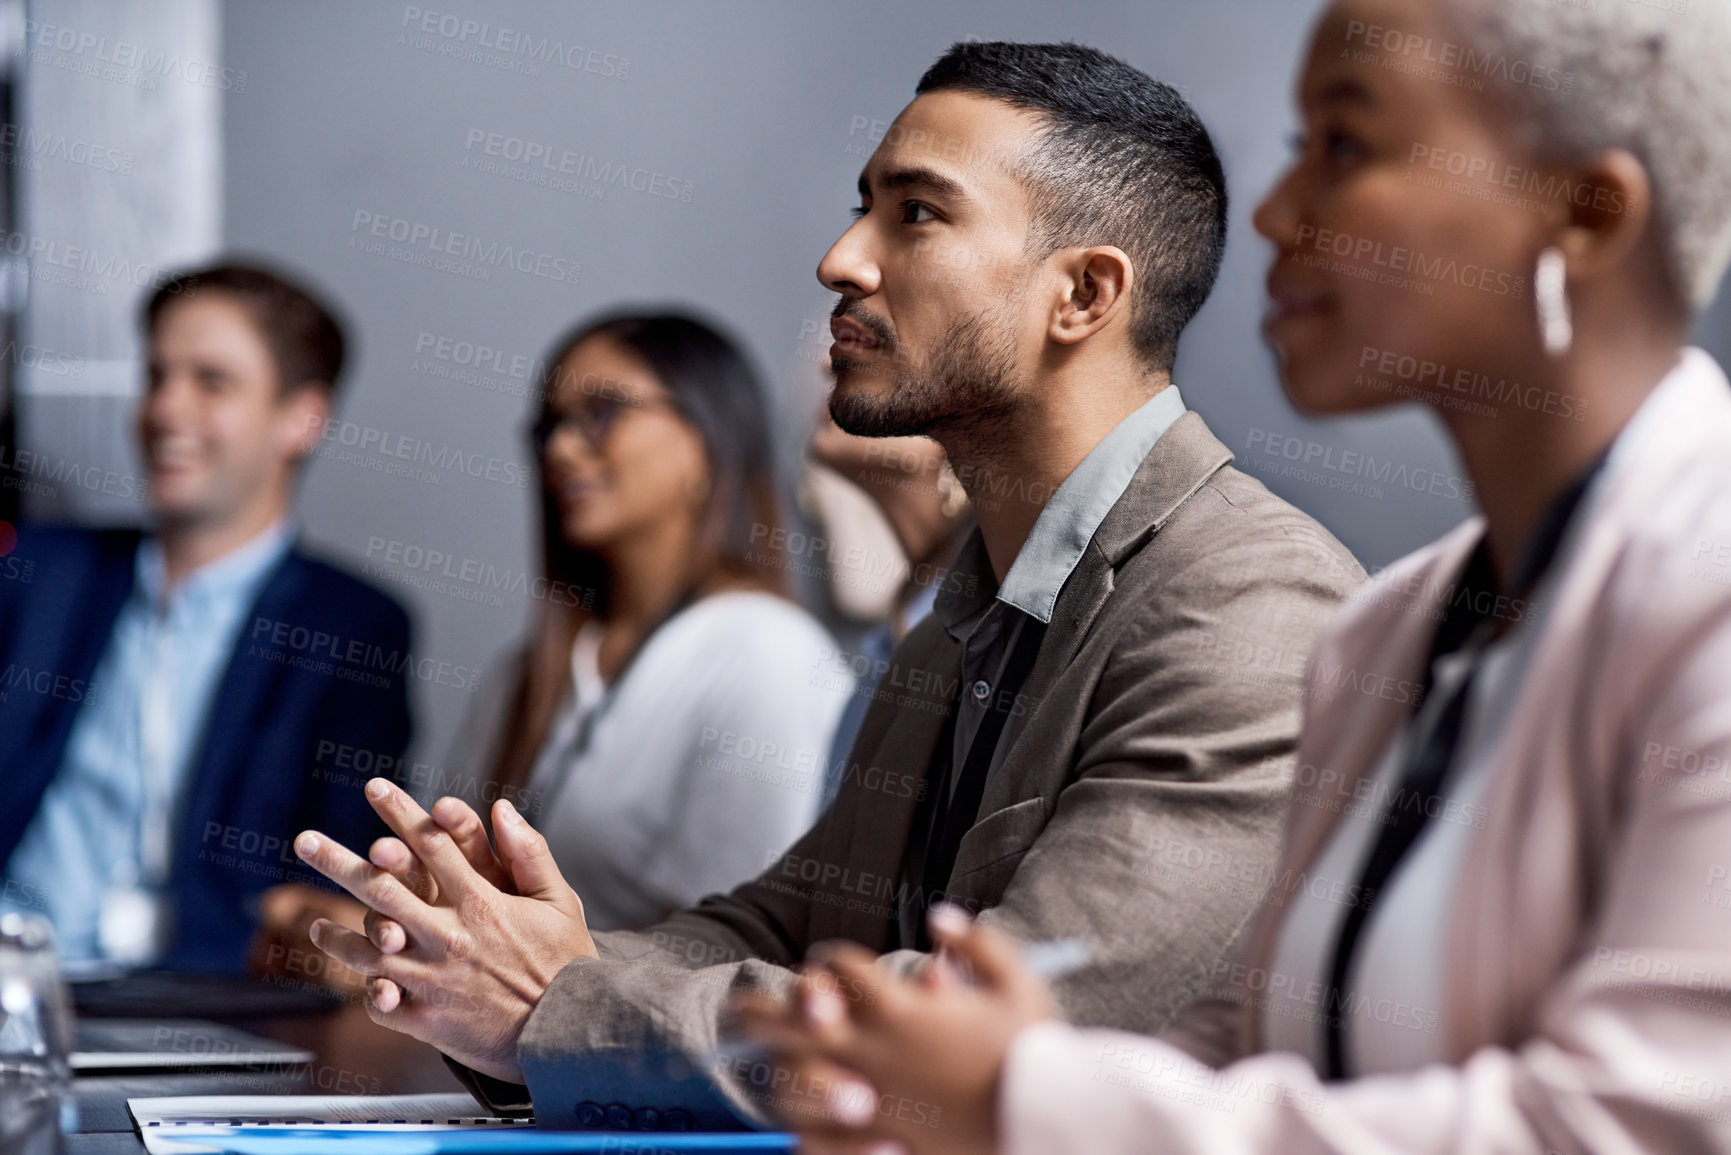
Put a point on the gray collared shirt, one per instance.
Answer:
(987, 618)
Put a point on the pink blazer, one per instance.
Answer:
(1589, 943)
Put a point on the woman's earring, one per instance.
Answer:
(1551, 293)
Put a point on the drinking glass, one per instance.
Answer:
(36, 1106)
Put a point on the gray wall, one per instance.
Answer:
(755, 108)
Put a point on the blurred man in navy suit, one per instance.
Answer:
(173, 704)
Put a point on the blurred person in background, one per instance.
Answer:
(666, 725)
(666, 719)
(1503, 918)
(908, 480)
(164, 708)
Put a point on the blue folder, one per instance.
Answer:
(481, 1141)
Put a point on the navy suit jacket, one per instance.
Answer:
(317, 684)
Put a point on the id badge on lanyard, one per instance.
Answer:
(132, 924)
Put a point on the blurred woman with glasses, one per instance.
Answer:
(667, 724)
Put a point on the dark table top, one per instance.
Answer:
(355, 1056)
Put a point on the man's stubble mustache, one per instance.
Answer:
(967, 384)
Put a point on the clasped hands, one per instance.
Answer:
(461, 939)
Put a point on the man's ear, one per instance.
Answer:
(1096, 284)
(301, 418)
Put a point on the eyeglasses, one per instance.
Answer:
(593, 417)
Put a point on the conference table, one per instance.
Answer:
(354, 1056)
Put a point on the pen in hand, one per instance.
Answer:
(1052, 959)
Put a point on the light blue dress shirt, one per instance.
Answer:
(170, 651)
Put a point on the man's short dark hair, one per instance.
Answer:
(1124, 161)
(305, 339)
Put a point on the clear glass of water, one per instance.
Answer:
(36, 1107)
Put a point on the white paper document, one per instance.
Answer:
(172, 1125)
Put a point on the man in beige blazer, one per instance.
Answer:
(1109, 682)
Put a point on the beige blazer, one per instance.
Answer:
(1161, 722)
(1588, 1003)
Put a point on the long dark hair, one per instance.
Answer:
(714, 388)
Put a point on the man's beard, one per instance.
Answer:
(969, 382)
